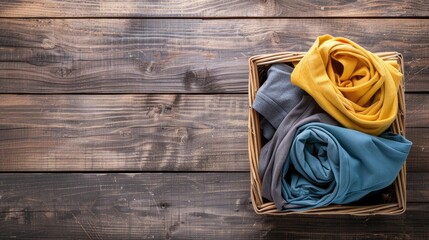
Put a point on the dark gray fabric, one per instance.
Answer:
(273, 154)
(276, 98)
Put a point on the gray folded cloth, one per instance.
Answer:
(273, 154)
(276, 98)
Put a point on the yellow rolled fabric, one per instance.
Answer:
(353, 85)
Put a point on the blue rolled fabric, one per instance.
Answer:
(274, 153)
(334, 165)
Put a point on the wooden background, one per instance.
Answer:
(128, 120)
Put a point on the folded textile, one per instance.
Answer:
(348, 165)
(274, 153)
(275, 98)
(333, 165)
(353, 85)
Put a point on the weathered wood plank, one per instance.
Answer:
(123, 132)
(418, 187)
(213, 8)
(418, 160)
(176, 206)
(417, 122)
(417, 110)
(145, 132)
(179, 55)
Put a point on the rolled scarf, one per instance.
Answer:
(333, 165)
(353, 85)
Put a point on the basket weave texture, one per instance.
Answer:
(259, 63)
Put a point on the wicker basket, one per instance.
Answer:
(397, 202)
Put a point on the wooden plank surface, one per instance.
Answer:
(175, 132)
(123, 132)
(417, 110)
(177, 206)
(213, 8)
(180, 55)
(158, 89)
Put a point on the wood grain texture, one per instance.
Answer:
(123, 132)
(418, 187)
(213, 8)
(158, 89)
(175, 206)
(417, 110)
(418, 161)
(180, 55)
(144, 132)
(140, 132)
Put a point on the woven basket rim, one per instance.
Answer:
(254, 145)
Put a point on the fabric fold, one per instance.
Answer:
(353, 85)
(275, 98)
(333, 165)
(274, 153)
